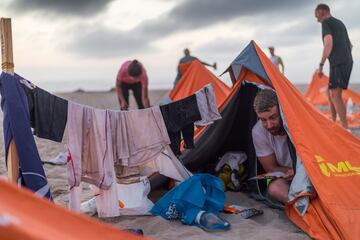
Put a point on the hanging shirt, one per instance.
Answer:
(206, 101)
(275, 60)
(16, 126)
(48, 113)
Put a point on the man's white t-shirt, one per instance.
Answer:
(266, 144)
(275, 60)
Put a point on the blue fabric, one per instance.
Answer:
(249, 59)
(185, 201)
(16, 125)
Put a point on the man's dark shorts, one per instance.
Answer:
(340, 75)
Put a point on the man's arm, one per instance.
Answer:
(145, 96)
(123, 104)
(328, 45)
(270, 164)
(210, 65)
(281, 63)
(144, 88)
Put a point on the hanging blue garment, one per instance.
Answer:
(185, 201)
(16, 125)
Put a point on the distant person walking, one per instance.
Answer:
(276, 60)
(132, 76)
(337, 48)
(188, 58)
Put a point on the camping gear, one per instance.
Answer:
(201, 192)
(324, 150)
(211, 222)
(133, 197)
(231, 170)
(244, 212)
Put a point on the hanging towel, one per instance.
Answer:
(138, 135)
(90, 146)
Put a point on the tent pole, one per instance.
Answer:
(7, 65)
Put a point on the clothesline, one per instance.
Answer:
(106, 146)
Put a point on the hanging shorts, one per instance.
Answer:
(340, 75)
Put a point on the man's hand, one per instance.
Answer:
(289, 174)
(214, 66)
(124, 105)
(320, 70)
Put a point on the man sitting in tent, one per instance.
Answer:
(270, 142)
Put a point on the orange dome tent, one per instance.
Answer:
(317, 95)
(316, 92)
(328, 153)
(194, 77)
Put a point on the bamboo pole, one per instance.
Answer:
(7, 65)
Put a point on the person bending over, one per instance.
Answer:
(132, 76)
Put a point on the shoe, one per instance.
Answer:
(60, 159)
(88, 207)
(211, 222)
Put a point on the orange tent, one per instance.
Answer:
(317, 95)
(194, 77)
(26, 216)
(316, 92)
(328, 153)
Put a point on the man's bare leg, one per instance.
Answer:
(332, 106)
(279, 189)
(336, 96)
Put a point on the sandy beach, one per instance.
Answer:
(273, 224)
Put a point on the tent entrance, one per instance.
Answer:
(232, 133)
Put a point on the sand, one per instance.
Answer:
(273, 224)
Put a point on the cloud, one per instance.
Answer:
(191, 15)
(102, 42)
(79, 8)
(188, 15)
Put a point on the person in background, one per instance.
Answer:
(188, 58)
(276, 60)
(337, 49)
(132, 76)
(270, 142)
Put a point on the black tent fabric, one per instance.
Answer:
(231, 133)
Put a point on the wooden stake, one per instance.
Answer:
(7, 65)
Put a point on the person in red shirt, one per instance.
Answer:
(132, 76)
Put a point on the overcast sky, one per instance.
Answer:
(81, 43)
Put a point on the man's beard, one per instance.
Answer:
(278, 130)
